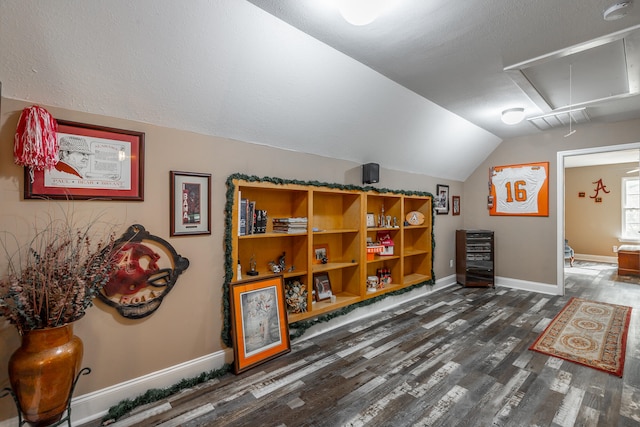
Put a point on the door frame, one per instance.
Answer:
(560, 194)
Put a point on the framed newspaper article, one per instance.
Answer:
(519, 190)
(95, 162)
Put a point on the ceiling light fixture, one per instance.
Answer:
(360, 12)
(513, 116)
(616, 11)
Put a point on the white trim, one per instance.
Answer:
(525, 285)
(560, 199)
(597, 258)
(91, 406)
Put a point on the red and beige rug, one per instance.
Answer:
(590, 333)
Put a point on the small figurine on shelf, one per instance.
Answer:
(252, 266)
(280, 266)
(274, 267)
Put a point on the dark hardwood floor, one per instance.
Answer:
(458, 357)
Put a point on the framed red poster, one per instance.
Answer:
(96, 162)
(520, 190)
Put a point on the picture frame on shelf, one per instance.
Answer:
(322, 286)
(371, 219)
(96, 162)
(320, 254)
(260, 331)
(190, 197)
(441, 199)
(455, 202)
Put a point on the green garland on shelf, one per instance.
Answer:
(301, 326)
(156, 394)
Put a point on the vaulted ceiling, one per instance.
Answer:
(420, 89)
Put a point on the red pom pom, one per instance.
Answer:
(36, 141)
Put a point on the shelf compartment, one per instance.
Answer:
(412, 279)
(337, 210)
(414, 252)
(320, 268)
(336, 231)
(392, 205)
(270, 249)
(320, 307)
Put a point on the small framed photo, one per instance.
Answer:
(322, 286)
(320, 254)
(371, 220)
(190, 203)
(455, 203)
(260, 330)
(442, 199)
(95, 162)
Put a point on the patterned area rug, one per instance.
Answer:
(590, 333)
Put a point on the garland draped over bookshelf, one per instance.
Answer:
(297, 329)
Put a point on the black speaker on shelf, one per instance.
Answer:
(370, 173)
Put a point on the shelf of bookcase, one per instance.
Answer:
(270, 235)
(382, 258)
(413, 252)
(336, 231)
(412, 279)
(342, 300)
(387, 288)
(319, 268)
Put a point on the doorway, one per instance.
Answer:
(560, 220)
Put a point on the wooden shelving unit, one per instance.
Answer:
(336, 220)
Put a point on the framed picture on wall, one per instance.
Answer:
(441, 199)
(96, 162)
(190, 203)
(455, 203)
(520, 190)
(260, 331)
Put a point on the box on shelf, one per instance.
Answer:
(385, 240)
(372, 250)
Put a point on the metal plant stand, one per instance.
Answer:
(67, 419)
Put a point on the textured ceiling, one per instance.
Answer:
(419, 90)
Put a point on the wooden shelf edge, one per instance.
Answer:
(319, 268)
(321, 307)
(412, 279)
(336, 231)
(271, 235)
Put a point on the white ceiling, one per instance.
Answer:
(419, 90)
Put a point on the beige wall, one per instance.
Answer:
(526, 247)
(189, 321)
(594, 228)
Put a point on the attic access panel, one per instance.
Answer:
(597, 73)
(604, 75)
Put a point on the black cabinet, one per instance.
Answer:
(474, 258)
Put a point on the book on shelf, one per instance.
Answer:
(242, 217)
(250, 219)
(290, 225)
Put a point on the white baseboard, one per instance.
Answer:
(91, 406)
(597, 258)
(525, 285)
